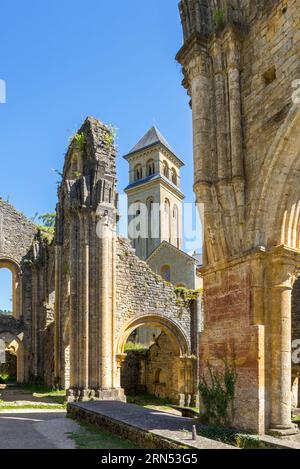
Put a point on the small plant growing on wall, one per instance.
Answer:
(217, 390)
(110, 136)
(219, 18)
(47, 225)
(80, 141)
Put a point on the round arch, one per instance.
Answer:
(14, 267)
(172, 330)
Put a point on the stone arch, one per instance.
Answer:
(165, 272)
(173, 331)
(150, 167)
(14, 267)
(182, 370)
(276, 218)
(166, 169)
(138, 172)
(174, 176)
(167, 220)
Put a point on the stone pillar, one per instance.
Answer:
(234, 94)
(106, 311)
(109, 387)
(221, 114)
(74, 355)
(120, 359)
(280, 341)
(34, 347)
(84, 314)
(57, 317)
(200, 91)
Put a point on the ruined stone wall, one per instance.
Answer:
(269, 63)
(26, 254)
(230, 334)
(141, 292)
(131, 374)
(16, 233)
(155, 372)
(161, 371)
(240, 59)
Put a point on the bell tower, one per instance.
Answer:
(154, 195)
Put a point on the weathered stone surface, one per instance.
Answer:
(239, 62)
(103, 291)
(25, 254)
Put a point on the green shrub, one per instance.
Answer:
(137, 348)
(218, 394)
(247, 442)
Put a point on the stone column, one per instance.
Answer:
(200, 92)
(57, 317)
(234, 92)
(280, 343)
(74, 324)
(221, 111)
(34, 321)
(84, 358)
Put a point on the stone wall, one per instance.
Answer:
(16, 233)
(161, 371)
(230, 334)
(141, 292)
(239, 61)
(155, 372)
(9, 367)
(132, 373)
(26, 253)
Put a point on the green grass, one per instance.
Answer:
(148, 401)
(40, 391)
(4, 406)
(57, 398)
(152, 402)
(132, 347)
(296, 418)
(229, 437)
(90, 438)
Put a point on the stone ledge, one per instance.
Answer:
(149, 429)
(277, 443)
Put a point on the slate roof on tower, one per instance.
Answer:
(151, 138)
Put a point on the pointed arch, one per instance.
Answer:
(276, 218)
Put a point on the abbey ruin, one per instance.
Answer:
(240, 60)
(77, 300)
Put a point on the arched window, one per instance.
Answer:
(174, 177)
(6, 291)
(150, 203)
(150, 168)
(166, 273)
(166, 169)
(176, 225)
(167, 221)
(138, 172)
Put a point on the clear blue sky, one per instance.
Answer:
(63, 60)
